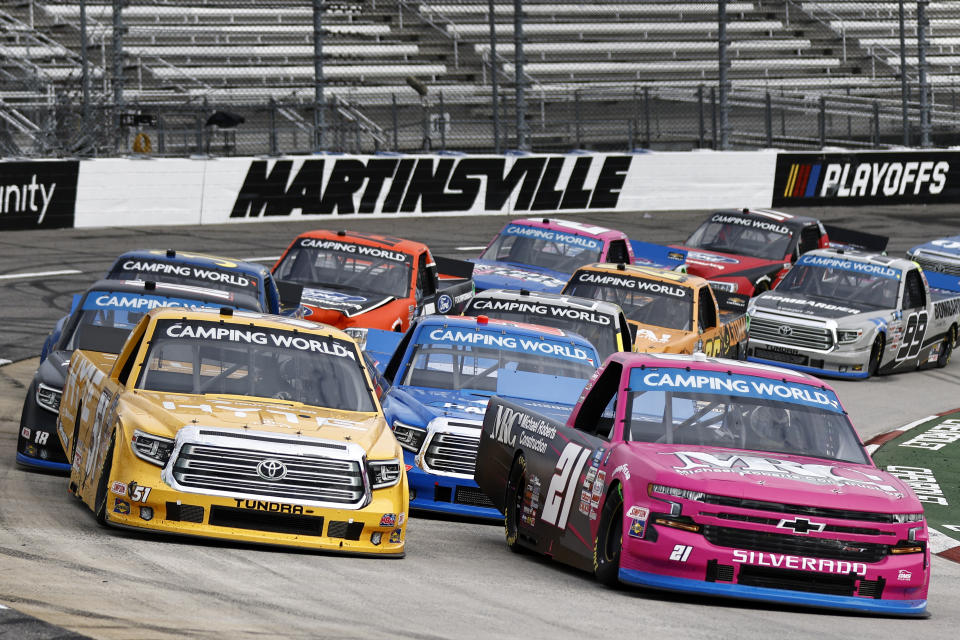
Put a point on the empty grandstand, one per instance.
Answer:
(88, 77)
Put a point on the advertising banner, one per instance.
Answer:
(37, 195)
(864, 178)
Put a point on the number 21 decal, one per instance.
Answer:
(563, 484)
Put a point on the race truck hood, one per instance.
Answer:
(422, 405)
(327, 305)
(776, 477)
(820, 307)
(712, 264)
(653, 339)
(53, 370)
(427, 404)
(172, 411)
(500, 275)
(944, 246)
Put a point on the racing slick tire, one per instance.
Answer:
(100, 510)
(513, 503)
(946, 349)
(609, 541)
(876, 355)
(760, 286)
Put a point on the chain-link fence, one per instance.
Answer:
(231, 77)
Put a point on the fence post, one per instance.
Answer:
(876, 124)
(396, 125)
(161, 134)
(700, 141)
(576, 114)
(922, 64)
(635, 128)
(713, 117)
(518, 61)
(442, 123)
(117, 69)
(631, 131)
(494, 82)
(84, 66)
(904, 90)
(646, 116)
(273, 126)
(768, 120)
(823, 121)
(724, 64)
(319, 123)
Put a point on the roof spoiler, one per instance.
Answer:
(841, 238)
(656, 255)
(453, 267)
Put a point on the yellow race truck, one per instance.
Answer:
(668, 312)
(236, 425)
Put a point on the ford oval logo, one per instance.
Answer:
(785, 330)
(272, 469)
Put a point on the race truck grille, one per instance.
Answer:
(794, 335)
(797, 509)
(942, 265)
(243, 472)
(452, 453)
(795, 545)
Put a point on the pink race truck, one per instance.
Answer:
(709, 476)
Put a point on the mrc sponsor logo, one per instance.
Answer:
(867, 178)
(38, 194)
(373, 185)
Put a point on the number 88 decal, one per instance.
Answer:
(913, 334)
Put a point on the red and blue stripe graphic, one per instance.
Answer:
(802, 181)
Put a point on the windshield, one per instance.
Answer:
(599, 328)
(544, 248)
(839, 279)
(340, 265)
(692, 408)
(105, 318)
(658, 304)
(494, 362)
(743, 235)
(181, 273)
(202, 357)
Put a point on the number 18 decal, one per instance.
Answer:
(564, 484)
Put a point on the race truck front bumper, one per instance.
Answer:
(729, 559)
(808, 345)
(214, 487)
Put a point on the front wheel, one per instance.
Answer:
(876, 355)
(513, 503)
(946, 349)
(609, 542)
(100, 504)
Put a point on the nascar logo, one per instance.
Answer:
(850, 179)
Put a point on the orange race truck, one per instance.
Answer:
(353, 279)
(668, 312)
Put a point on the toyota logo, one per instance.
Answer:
(272, 469)
(785, 330)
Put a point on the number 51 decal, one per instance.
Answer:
(563, 484)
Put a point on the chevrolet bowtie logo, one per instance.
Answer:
(801, 525)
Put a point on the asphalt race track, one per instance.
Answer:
(458, 579)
